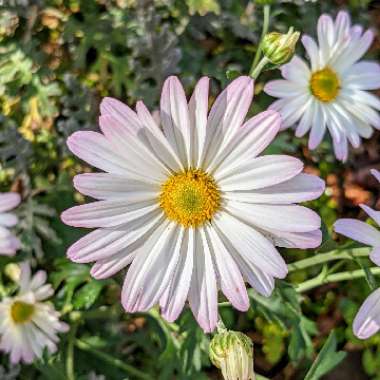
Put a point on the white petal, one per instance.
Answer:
(260, 172)
(363, 75)
(284, 88)
(301, 188)
(174, 114)
(367, 320)
(203, 295)
(296, 71)
(251, 245)
(359, 231)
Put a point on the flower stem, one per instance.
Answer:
(257, 70)
(335, 277)
(137, 374)
(321, 258)
(70, 373)
(263, 33)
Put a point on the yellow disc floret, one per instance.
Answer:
(22, 312)
(190, 198)
(325, 85)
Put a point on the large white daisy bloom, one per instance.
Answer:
(192, 208)
(367, 320)
(332, 92)
(27, 324)
(9, 243)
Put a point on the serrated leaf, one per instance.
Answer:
(327, 359)
(86, 296)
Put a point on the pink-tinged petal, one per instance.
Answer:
(367, 320)
(104, 243)
(260, 172)
(39, 278)
(376, 174)
(157, 140)
(251, 245)
(198, 109)
(375, 215)
(296, 71)
(250, 140)
(130, 145)
(306, 120)
(203, 294)
(8, 219)
(288, 218)
(114, 186)
(375, 256)
(108, 267)
(301, 240)
(326, 36)
(312, 51)
(120, 111)
(359, 231)
(283, 88)
(106, 213)
(226, 116)
(151, 270)
(342, 26)
(96, 150)
(174, 298)
(9, 245)
(341, 149)
(229, 276)
(363, 75)
(175, 118)
(357, 47)
(301, 188)
(9, 201)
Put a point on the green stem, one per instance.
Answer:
(335, 277)
(257, 70)
(112, 360)
(263, 33)
(321, 258)
(70, 373)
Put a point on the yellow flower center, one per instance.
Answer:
(22, 312)
(325, 85)
(190, 198)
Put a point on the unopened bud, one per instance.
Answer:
(13, 271)
(279, 48)
(232, 353)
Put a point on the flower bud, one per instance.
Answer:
(279, 48)
(13, 271)
(232, 353)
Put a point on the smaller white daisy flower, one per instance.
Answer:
(331, 94)
(27, 324)
(367, 320)
(9, 243)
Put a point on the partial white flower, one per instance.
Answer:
(193, 209)
(9, 243)
(28, 323)
(367, 321)
(331, 92)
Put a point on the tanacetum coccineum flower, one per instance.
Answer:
(28, 323)
(192, 208)
(331, 94)
(367, 321)
(9, 243)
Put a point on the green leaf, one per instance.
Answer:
(88, 294)
(326, 360)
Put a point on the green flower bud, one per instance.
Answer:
(232, 353)
(13, 271)
(279, 48)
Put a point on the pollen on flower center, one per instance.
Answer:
(325, 85)
(190, 198)
(22, 312)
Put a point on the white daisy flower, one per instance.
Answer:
(367, 320)
(9, 243)
(332, 92)
(27, 324)
(192, 208)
